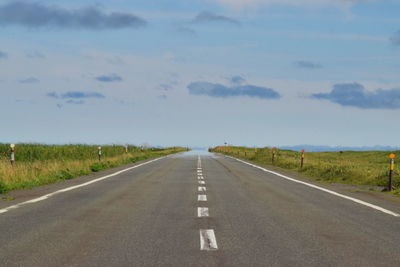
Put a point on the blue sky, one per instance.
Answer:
(200, 72)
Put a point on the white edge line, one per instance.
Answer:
(322, 189)
(74, 187)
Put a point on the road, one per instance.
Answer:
(189, 210)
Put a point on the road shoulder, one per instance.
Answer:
(21, 195)
(364, 193)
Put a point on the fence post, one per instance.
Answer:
(12, 155)
(302, 159)
(99, 148)
(391, 172)
(273, 154)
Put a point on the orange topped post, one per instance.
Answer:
(391, 170)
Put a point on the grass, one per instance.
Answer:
(346, 167)
(37, 164)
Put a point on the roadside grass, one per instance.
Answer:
(346, 167)
(44, 164)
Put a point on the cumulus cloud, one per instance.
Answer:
(302, 64)
(109, 78)
(37, 15)
(82, 95)
(395, 39)
(29, 80)
(75, 95)
(208, 17)
(355, 95)
(222, 91)
(3, 55)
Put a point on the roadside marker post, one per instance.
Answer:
(12, 155)
(273, 154)
(302, 159)
(99, 148)
(391, 172)
(126, 149)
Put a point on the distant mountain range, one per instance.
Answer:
(312, 148)
(315, 148)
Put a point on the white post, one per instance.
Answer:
(99, 153)
(12, 154)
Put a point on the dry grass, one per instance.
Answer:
(28, 174)
(348, 167)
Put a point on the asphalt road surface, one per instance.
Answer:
(190, 210)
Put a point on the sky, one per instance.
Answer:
(200, 72)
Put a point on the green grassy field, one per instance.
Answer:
(37, 164)
(348, 167)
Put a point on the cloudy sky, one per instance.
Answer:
(200, 72)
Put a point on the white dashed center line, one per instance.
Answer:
(202, 189)
(202, 212)
(208, 240)
(201, 198)
(207, 236)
